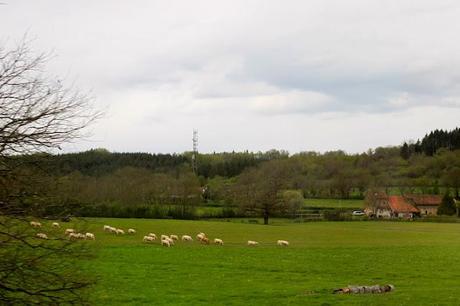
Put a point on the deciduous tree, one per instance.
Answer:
(259, 190)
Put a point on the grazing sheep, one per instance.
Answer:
(186, 238)
(113, 230)
(218, 241)
(174, 237)
(69, 231)
(42, 236)
(282, 243)
(200, 236)
(74, 236)
(148, 239)
(252, 243)
(90, 236)
(153, 236)
(164, 237)
(55, 225)
(171, 242)
(107, 228)
(35, 224)
(204, 240)
(165, 243)
(119, 231)
(131, 231)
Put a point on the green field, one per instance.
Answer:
(421, 259)
(334, 203)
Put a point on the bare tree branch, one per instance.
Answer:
(37, 114)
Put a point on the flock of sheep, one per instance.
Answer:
(70, 232)
(166, 240)
(169, 240)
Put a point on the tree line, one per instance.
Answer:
(100, 162)
(101, 183)
(432, 142)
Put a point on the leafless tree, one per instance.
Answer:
(37, 114)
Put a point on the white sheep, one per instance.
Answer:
(200, 236)
(112, 230)
(148, 239)
(282, 243)
(131, 231)
(174, 237)
(55, 225)
(35, 224)
(74, 236)
(252, 243)
(218, 241)
(164, 237)
(90, 236)
(165, 243)
(107, 228)
(42, 236)
(119, 231)
(171, 241)
(186, 238)
(69, 231)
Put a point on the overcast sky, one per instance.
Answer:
(252, 75)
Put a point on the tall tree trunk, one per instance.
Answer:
(265, 219)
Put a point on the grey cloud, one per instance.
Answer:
(237, 66)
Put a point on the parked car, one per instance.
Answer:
(358, 213)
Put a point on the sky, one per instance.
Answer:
(251, 75)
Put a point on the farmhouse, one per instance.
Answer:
(378, 206)
(401, 208)
(408, 206)
(426, 203)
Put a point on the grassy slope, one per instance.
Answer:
(334, 203)
(421, 259)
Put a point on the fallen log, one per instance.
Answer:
(364, 289)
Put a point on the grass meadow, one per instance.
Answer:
(422, 260)
(334, 203)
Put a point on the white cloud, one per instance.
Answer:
(401, 100)
(291, 102)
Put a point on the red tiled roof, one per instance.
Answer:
(399, 205)
(425, 199)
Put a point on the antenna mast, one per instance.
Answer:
(195, 151)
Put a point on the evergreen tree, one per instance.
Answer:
(405, 151)
(447, 206)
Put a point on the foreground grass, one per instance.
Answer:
(421, 259)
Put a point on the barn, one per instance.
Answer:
(426, 203)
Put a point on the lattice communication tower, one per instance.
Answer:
(195, 151)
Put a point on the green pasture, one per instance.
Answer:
(334, 203)
(422, 260)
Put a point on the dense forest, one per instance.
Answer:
(432, 142)
(98, 182)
